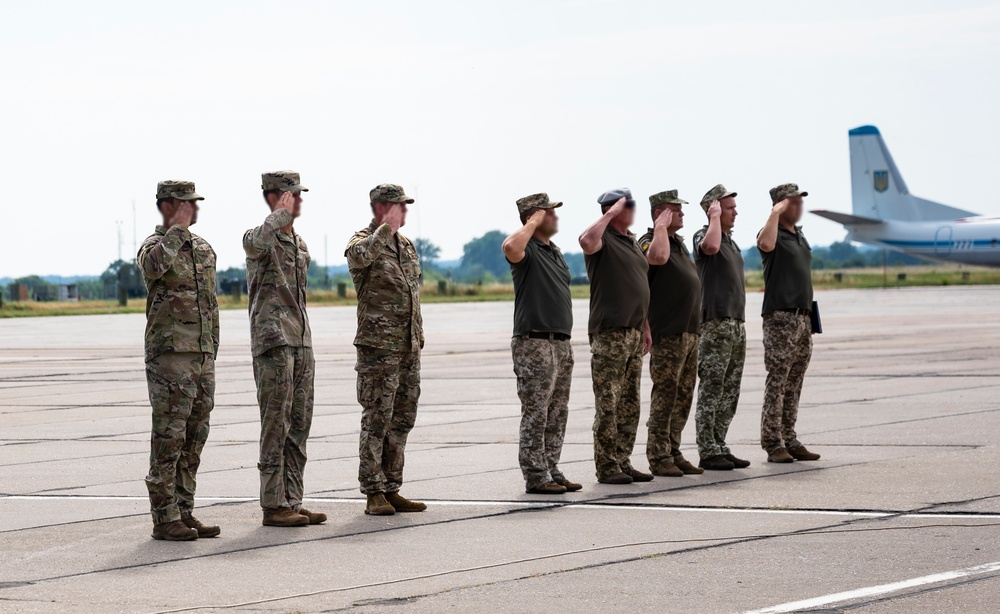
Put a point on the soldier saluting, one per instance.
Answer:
(386, 273)
(281, 343)
(182, 340)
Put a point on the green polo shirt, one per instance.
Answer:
(674, 291)
(723, 285)
(619, 290)
(542, 301)
(788, 272)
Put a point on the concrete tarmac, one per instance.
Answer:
(902, 514)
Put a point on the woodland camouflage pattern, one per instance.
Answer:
(181, 392)
(277, 267)
(721, 354)
(284, 376)
(389, 193)
(785, 190)
(182, 310)
(718, 192)
(285, 181)
(181, 190)
(544, 369)
(388, 391)
(669, 197)
(387, 279)
(616, 369)
(673, 365)
(536, 201)
(787, 350)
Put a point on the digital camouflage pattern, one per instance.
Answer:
(286, 181)
(721, 355)
(388, 391)
(616, 370)
(787, 350)
(182, 309)
(669, 197)
(181, 190)
(785, 190)
(277, 267)
(673, 365)
(284, 376)
(181, 392)
(544, 369)
(718, 192)
(386, 274)
(536, 201)
(389, 193)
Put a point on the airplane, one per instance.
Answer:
(884, 213)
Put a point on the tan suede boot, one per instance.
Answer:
(378, 506)
(174, 532)
(402, 504)
(314, 517)
(284, 517)
(204, 530)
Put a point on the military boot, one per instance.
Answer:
(739, 463)
(780, 455)
(174, 532)
(616, 478)
(204, 530)
(314, 517)
(548, 488)
(800, 453)
(668, 470)
(402, 504)
(378, 506)
(640, 476)
(716, 463)
(284, 517)
(685, 465)
(569, 486)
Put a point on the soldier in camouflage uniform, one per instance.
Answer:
(674, 318)
(788, 301)
(281, 343)
(619, 334)
(722, 347)
(543, 355)
(182, 340)
(386, 273)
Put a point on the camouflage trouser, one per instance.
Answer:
(388, 390)
(284, 377)
(673, 365)
(721, 353)
(787, 350)
(182, 394)
(616, 370)
(544, 370)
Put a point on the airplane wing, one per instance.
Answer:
(845, 218)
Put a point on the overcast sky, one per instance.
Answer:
(470, 105)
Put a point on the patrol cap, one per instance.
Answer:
(785, 190)
(611, 197)
(668, 197)
(389, 193)
(536, 201)
(286, 181)
(717, 193)
(181, 190)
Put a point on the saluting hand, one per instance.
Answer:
(182, 215)
(286, 201)
(536, 218)
(618, 207)
(780, 206)
(663, 220)
(394, 218)
(715, 209)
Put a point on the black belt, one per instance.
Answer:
(796, 311)
(550, 336)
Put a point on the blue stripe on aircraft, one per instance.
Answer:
(863, 130)
(982, 242)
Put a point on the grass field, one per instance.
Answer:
(898, 277)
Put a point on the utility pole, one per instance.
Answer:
(135, 240)
(119, 225)
(326, 264)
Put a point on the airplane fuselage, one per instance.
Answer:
(974, 240)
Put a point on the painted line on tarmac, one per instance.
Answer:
(881, 589)
(545, 504)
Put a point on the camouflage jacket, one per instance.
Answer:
(386, 274)
(182, 310)
(277, 264)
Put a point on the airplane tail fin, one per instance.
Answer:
(877, 187)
